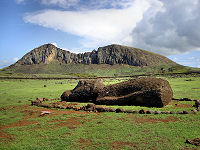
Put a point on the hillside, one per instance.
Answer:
(110, 60)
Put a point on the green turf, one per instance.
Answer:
(21, 127)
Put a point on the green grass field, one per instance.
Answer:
(22, 127)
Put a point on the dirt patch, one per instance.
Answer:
(7, 137)
(183, 105)
(71, 123)
(142, 120)
(120, 144)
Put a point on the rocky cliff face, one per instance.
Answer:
(111, 54)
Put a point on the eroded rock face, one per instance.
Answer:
(151, 92)
(111, 54)
(85, 91)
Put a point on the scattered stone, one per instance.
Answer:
(179, 112)
(157, 112)
(185, 99)
(39, 99)
(195, 141)
(100, 109)
(42, 113)
(108, 109)
(197, 103)
(172, 112)
(185, 112)
(165, 112)
(142, 111)
(128, 111)
(119, 110)
(194, 111)
(149, 112)
(150, 92)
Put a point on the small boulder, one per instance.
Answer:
(195, 141)
(142, 111)
(157, 112)
(149, 112)
(119, 110)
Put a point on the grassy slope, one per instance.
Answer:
(90, 130)
(92, 70)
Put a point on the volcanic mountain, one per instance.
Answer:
(111, 54)
(113, 58)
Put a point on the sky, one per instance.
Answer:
(167, 27)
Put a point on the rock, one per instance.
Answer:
(142, 111)
(119, 110)
(36, 102)
(195, 141)
(45, 105)
(65, 95)
(85, 91)
(185, 112)
(179, 112)
(128, 111)
(91, 106)
(172, 112)
(150, 92)
(39, 99)
(110, 109)
(194, 111)
(157, 112)
(165, 112)
(149, 112)
(198, 109)
(185, 99)
(42, 113)
(100, 109)
(197, 103)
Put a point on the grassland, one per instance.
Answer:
(22, 127)
(55, 69)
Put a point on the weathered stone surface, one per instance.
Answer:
(111, 54)
(65, 95)
(142, 111)
(197, 103)
(119, 110)
(195, 141)
(157, 112)
(85, 91)
(149, 112)
(151, 92)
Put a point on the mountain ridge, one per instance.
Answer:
(112, 54)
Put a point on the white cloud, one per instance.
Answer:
(173, 30)
(97, 27)
(5, 63)
(163, 26)
(61, 3)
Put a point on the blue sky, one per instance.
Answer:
(170, 28)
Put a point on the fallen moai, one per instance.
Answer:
(151, 92)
